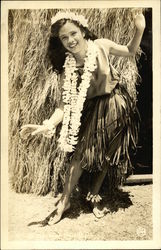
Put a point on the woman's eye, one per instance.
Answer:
(64, 38)
(74, 33)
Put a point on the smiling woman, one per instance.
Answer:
(99, 119)
(67, 35)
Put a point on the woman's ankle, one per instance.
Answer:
(93, 198)
(64, 200)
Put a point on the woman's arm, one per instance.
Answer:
(48, 127)
(131, 48)
(55, 119)
(57, 116)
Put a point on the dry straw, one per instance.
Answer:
(35, 165)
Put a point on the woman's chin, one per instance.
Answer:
(74, 49)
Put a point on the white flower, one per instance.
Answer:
(71, 16)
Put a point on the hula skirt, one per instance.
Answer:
(108, 132)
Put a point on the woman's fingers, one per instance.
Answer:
(41, 129)
(25, 133)
(28, 129)
(32, 129)
(136, 11)
(34, 126)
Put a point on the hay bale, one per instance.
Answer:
(34, 164)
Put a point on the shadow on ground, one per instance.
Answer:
(120, 199)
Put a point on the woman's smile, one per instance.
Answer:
(73, 45)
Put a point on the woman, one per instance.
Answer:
(97, 114)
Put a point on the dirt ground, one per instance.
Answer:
(130, 217)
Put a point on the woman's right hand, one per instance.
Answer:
(32, 129)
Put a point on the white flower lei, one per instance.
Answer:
(73, 99)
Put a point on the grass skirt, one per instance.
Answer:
(109, 132)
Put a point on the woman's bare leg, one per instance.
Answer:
(95, 188)
(71, 180)
(98, 180)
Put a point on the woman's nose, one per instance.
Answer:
(70, 39)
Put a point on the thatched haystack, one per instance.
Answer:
(34, 164)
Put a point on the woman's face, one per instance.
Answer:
(72, 38)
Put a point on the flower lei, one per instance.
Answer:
(74, 99)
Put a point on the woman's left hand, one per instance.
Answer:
(140, 22)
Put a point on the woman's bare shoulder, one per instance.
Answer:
(102, 41)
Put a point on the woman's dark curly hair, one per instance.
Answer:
(55, 50)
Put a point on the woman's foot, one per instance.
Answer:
(98, 210)
(60, 209)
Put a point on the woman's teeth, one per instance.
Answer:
(72, 45)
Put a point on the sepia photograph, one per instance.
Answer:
(80, 125)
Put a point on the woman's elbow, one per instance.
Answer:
(131, 51)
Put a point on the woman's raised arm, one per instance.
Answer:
(131, 48)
